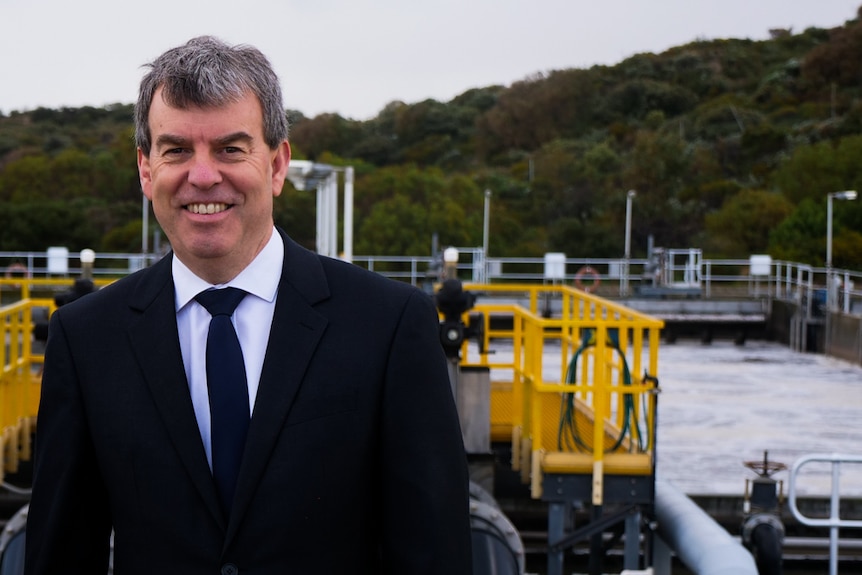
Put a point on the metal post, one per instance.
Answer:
(145, 224)
(834, 516)
(320, 227)
(631, 550)
(830, 284)
(829, 252)
(558, 514)
(87, 257)
(332, 193)
(348, 214)
(627, 254)
(486, 229)
(834, 521)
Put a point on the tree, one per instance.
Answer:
(813, 171)
(74, 173)
(400, 209)
(743, 224)
(801, 236)
(27, 179)
(656, 167)
(40, 224)
(325, 133)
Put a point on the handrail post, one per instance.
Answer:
(707, 278)
(834, 522)
(834, 513)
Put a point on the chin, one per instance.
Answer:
(208, 250)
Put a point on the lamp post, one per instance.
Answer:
(486, 230)
(830, 285)
(87, 257)
(627, 255)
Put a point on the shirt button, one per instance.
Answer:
(229, 569)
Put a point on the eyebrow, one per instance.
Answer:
(175, 140)
(170, 140)
(234, 137)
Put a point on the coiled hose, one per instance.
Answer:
(568, 437)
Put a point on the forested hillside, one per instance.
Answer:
(731, 145)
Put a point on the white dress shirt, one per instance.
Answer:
(252, 320)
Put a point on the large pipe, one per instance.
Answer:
(701, 543)
(497, 545)
(766, 542)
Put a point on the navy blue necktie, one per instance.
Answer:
(228, 390)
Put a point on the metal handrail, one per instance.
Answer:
(18, 393)
(601, 378)
(785, 280)
(834, 521)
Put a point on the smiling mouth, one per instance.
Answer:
(207, 208)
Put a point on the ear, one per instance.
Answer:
(280, 163)
(145, 174)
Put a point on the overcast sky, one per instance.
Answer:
(353, 57)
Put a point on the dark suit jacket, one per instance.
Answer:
(354, 461)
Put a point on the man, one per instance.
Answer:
(352, 460)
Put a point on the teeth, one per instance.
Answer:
(206, 208)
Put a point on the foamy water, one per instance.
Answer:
(721, 405)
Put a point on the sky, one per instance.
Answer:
(353, 57)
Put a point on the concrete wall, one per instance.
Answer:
(779, 321)
(781, 325)
(840, 336)
(844, 337)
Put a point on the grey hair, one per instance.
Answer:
(205, 72)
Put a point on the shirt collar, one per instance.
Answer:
(259, 278)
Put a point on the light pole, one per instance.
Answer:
(486, 229)
(830, 287)
(628, 249)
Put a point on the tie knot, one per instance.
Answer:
(220, 301)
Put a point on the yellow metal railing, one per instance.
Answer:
(20, 366)
(578, 392)
(612, 350)
(19, 391)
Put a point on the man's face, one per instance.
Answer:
(211, 178)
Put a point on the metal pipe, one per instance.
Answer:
(701, 543)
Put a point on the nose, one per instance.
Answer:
(204, 172)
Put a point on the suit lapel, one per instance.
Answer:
(156, 344)
(294, 335)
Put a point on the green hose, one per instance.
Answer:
(568, 437)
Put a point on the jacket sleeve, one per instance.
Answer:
(68, 526)
(425, 477)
